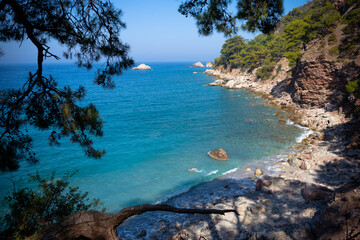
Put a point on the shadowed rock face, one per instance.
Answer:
(321, 82)
(219, 154)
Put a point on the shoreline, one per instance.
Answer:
(288, 173)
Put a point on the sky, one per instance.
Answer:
(156, 32)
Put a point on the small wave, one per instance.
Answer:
(230, 171)
(306, 131)
(212, 172)
(304, 135)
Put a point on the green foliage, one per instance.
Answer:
(332, 38)
(297, 29)
(32, 211)
(214, 15)
(353, 88)
(293, 57)
(334, 50)
(90, 31)
(350, 42)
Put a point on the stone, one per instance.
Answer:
(258, 172)
(209, 64)
(313, 192)
(141, 234)
(231, 84)
(261, 183)
(219, 154)
(142, 67)
(303, 166)
(198, 64)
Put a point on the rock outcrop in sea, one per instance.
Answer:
(142, 67)
(219, 154)
(209, 64)
(198, 64)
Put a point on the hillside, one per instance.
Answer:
(314, 56)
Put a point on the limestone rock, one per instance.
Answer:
(142, 67)
(209, 64)
(258, 172)
(198, 64)
(219, 154)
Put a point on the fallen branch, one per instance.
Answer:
(102, 226)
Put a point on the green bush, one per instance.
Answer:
(334, 50)
(32, 211)
(353, 88)
(293, 57)
(332, 38)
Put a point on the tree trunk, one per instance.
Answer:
(102, 226)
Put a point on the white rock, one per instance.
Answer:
(142, 67)
(209, 64)
(198, 64)
(231, 84)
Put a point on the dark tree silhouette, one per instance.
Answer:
(90, 30)
(215, 14)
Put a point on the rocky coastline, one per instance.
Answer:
(302, 194)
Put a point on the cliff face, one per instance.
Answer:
(318, 83)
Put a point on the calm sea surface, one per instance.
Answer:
(157, 125)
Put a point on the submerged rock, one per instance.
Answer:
(198, 64)
(219, 154)
(142, 67)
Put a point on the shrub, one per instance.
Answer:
(332, 38)
(32, 211)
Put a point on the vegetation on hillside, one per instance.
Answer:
(316, 19)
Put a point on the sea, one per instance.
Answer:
(159, 126)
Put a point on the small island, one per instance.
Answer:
(198, 64)
(142, 67)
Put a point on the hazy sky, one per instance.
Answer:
(156, 31)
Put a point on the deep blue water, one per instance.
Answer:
(157, 125)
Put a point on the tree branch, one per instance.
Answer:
(98, 225)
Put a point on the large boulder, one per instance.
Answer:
(142, 67)
(209, 64)
(219, 154)
(198, 64)
(313, 192)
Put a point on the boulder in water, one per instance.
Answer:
(219, 154)
(142, 67)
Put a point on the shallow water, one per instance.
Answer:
(157, 125)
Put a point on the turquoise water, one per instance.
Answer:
(157, 125)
